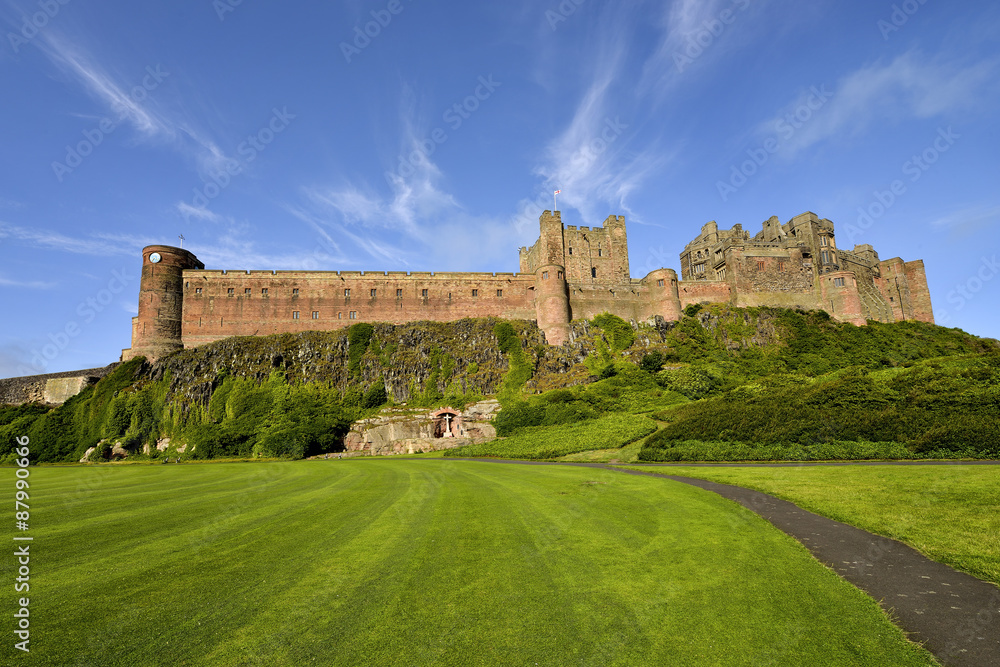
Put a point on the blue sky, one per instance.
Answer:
(411, 135)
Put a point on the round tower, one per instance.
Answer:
(156, 332)
(665, 298)
(552, 303)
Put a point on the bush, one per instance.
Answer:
(690, 382)
(652, 362)
(692, 309)
(619, 333)
(358, 338)
(376, 396)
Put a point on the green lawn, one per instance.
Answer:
(414, 562)
(949, 513)
(611, 431)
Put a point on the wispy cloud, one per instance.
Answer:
(969, 220)
(189, 212)
(592, 160)
(31, 284)
(101, 245)
(101, 84)
(151, 117)
(911, 86)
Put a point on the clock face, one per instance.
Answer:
(155, 257)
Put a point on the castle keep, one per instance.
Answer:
(569, 273)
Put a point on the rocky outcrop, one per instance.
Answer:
(51, 388)
(462, 357)
(403, 431)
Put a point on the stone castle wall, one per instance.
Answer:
(569, 273)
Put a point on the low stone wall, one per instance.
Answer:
(51, 388)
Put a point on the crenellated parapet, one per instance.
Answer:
(571, 272)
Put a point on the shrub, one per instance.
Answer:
(619, 333)
(358, 338)
(652, 362)
(692, 309)
(376, 395)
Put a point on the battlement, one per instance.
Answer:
(570, 272)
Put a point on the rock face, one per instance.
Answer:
(403, 431)
(50, 389)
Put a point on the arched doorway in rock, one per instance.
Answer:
(447, 423)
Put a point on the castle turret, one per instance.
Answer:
(552, 303)
(665, 299)
(156, 331)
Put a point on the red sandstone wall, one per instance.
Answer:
(213, 314)
(842, 302)
(920, 295)
(895, 287)
(703, 291)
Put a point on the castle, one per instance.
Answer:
(569, 273)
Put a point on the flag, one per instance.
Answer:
(557, 192)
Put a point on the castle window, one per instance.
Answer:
(197, 290)
(295, 314)
(340, 316)
(838, 282)
(600, 253)
(499, 293)
(721, 273)
(475, 292)
(571, 250)
(699, 269)
(374, 292)
(231, 292)
(760, 266)
(823, 241)
(353, 315)
(399, 294)
(347, 292)
(423, 293)
(263, 291)
(781, 266)
(659, 283)
(593, 272)
(825, 256)
(315, 314)
(295, 291)
(559, 275)
(545, 275)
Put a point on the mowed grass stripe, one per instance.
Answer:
(950, 513)
(432, 562)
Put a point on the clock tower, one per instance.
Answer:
(156, 332)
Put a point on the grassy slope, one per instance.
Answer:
(611, 431)
(949, 513)
(425, 562)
